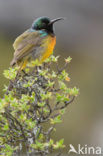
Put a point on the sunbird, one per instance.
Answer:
(37, 42)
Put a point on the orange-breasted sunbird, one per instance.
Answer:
(38, 42)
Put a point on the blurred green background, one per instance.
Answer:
(79, 36)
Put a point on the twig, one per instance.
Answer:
(65, 104)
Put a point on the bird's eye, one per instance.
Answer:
(43, 25)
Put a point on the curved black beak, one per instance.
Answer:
(55, 20)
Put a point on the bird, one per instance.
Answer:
(37, 42)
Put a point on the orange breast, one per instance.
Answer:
(49, 43)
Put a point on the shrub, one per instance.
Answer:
(33, 104)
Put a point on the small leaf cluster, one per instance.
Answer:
(34, 98)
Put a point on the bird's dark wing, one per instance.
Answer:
(24, 44)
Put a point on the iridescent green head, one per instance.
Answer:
(44, 23)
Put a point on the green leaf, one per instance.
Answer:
(56, 120)
(62, 85)
(59, 144)
(23, 117)
(38, 145)
(43, 72)
(42, 104)
(73, 91)
(49, 84)
(54, 74)
(6, 127)
(62, 111)
(45, 96)
(45, 110)
(54, 58)
(28, 84)
(30, 123)
(64, 76)
(61, 98)
(34, 63)
(68, 59)
(11, 73)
